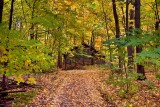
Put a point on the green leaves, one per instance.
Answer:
(48, 21)
(93, 6)
(151, 55)
(126, 83)
(20, 56)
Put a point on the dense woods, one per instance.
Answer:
(43, 37)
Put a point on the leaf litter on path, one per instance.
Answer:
(72, 88)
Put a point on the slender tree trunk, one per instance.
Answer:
(157, 23)
(1, 9)
(60, 62)
(129, 29)
(140, 68)
(1, 13)
(4, 79)
(117, 30)
(11, 15)
(123, 18)
(32, 35)
(65, 60)
(116, 19)
(92, 46)
(59, 59)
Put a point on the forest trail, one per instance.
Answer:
(72, 88)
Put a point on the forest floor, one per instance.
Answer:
(88, 88)
(72, 88)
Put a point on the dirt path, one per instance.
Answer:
(74, 88)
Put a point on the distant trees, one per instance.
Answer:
(61, 25)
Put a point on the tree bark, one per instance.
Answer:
(59, 59)
(137, 14)
(1, 9)
(130, 49)
(123, 18)
(4, 78)
(1, 14)
(11, 15)
(92, 45)
(117, 29)
(157, 17)
(127, 28)
(116, 19)
(32, 35)
(140, 68)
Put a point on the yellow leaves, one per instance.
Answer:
(19, 79)
(88, 33)
(2, 49)
(79, 21)
(4, 59)
(31, 81)
(73, 7)
(27, 62)
(131, 7)
(148, 8)
(71, 30)
(98, 42)
(130, 105)
(68, 2)
(9, 56)
(96, 2)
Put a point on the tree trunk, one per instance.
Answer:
(60, 62)
(127, 28)
(157, 17)
(123, 17)
(59, 59)
(3, 83)
(32, 35)
(4, 78)
(32, 29)
(117, 29)
(116, 19)
(140, 68)
(65, 60)
(92, 46)
(11, 15)
(130, 49)
(1, 9)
